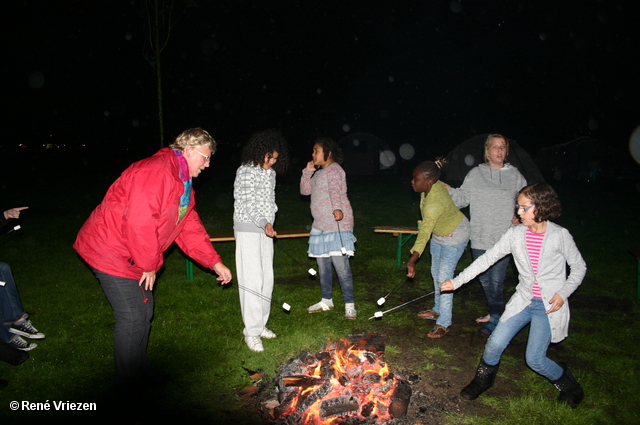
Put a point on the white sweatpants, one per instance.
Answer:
(254, 269)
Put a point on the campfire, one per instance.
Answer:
(347, 382)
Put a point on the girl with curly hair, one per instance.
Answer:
(254, 213)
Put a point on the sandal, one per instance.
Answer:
(438, 332)
(484, 319)
(428, 314)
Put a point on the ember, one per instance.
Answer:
(347, 382)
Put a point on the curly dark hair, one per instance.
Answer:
(261, 144)
(330, 146)
(546, 201)
(432, 169)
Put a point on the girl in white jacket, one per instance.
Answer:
(541, 250)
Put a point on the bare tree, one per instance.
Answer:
(158, 24)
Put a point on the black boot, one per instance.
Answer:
(570, 390)
(484, 379)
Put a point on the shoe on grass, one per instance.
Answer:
(428, 314)
(350, 312)
(323, 305)
(10, 354)
(267, 333)
(254, 343)
(438, 332)
(19, 343)
(25, 328)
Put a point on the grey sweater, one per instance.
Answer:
(558, 249)
(254, 191)
(490, 195)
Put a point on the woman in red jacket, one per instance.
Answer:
(150, 206)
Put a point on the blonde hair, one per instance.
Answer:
(487, 145)
(194, 137)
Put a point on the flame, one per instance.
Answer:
(377, 396)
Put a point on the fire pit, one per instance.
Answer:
(347, 382)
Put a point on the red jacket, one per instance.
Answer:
(137, 221)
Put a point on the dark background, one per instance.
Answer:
(429, 73)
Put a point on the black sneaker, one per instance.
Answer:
(25, 328)
(21, 344)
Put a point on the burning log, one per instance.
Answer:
(346, 382)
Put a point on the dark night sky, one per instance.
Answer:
(432, 74)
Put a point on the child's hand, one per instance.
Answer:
(556, 302)
(411, 270)
(270, 231)
(447, 285)
(338, 215)
(310, 166)
(411, 264)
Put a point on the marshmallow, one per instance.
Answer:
(286, 306)
(16, 227)
(381, 300)
(378, 314)
(2, 283)
(312, 272)
(343, 250)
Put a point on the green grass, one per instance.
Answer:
(197, 330)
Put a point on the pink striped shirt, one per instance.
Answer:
(534, 243)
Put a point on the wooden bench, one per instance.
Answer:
(228, 237)
(403, 234)
(636, 253)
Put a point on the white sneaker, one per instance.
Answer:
(323, 305)
(350, 312)
(254, 343)
(267, 333)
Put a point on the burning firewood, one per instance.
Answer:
(348, 378)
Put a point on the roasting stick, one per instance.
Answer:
(285, 306)
(382, 313)
(14, 228)
(383, 299)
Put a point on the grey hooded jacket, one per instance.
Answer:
(490, 195)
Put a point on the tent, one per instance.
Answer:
(470, 153)
(366, 154)
(580, 159)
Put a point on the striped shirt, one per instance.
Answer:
(534, 243)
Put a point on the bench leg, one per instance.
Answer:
(402, 240)
(189, 269)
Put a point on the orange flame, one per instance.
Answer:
(377, 395)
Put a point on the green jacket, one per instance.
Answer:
(440, 216)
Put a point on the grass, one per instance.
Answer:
(197, 331)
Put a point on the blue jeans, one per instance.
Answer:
(537, 344)
(492, 282)
(10, 305)
(133, 325)
(444, 259)
(343, 271)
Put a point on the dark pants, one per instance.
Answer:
(133, 325)
(492, 282)
(10, 305)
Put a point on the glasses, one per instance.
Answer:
(524, 208)
(206, 158)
